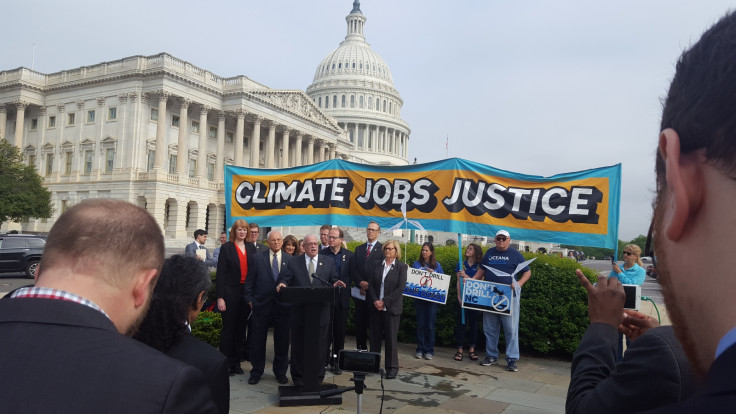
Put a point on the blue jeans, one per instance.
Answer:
(426, 316)
(492, 328)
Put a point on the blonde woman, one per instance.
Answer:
(385, 294)
(633, 272)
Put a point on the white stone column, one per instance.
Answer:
(396, 143)
(271, 144)
(365, 137)
(3, 120)
(284, 148)
(182, 163)
(160, 156)
(238, 138)
(310, 150)
(298, 156)
(20, 118)
(255, 143)
(355, 136)
(220, 161)
(202, 144)
(332, 151)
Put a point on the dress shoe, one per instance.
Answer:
(253, 380)
(336, 371)
(392, 374)
(282, 379)
(237, 370)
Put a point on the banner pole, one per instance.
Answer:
(460, 266)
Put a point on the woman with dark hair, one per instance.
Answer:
(291, 245)
(470, 270)
(235, 263)
(177, 298)
(426, 311)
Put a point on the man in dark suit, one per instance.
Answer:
(694, 231)
(200, 237)
(654, 371)
(309, 269)
(261, 295)
(253, 232)
(343, 259)
(367, 256)
(324, 238)
(64, 339)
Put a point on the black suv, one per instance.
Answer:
(21, 253)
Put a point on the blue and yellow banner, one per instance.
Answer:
(453, 195)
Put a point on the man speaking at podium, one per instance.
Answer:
(309, 269)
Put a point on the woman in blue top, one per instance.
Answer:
(471, 270)
(426, 311)
(633, 272)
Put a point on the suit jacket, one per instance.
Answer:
(654, 372)
(211, 362)
(191, 250)
(228, 267)
(298, 275)
(364, 264)
(68, 357)
(261, 288)
(260, 247)
(347, 260)
(717, 394)
(393, 289)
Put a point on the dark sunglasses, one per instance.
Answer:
(628, 253)
(500, 238)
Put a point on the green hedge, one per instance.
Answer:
(207, 327)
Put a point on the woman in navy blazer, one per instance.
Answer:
(385, 296)
(230, 291)
(177, 298)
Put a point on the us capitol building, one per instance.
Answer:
(157, 131)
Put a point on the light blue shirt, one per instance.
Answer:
(634, 275)
(728, 340)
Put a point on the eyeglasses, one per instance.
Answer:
(501, 239)
(370, 229)
(255, 232)
(333, 237)
(629, 253)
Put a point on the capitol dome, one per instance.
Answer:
(353, 84)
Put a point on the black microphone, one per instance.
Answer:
(322, 280)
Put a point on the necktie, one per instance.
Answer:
(275, 266)
(311, 269)
(368, 250)
(201, 247)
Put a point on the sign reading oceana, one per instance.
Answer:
(453, 195)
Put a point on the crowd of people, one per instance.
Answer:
(68, 340)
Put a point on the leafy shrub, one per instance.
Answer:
(207, 327)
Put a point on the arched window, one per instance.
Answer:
(339, 65)
(360, 101)
(389, 107)
(333, 66)
(334, 101)
(370, 102)
(352, 101)
(327, 101)
(320, 102)
(384, 105)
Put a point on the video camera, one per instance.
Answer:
(359, 361)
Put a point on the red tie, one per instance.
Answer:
(368, 250)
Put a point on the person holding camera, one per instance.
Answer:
(633, 273)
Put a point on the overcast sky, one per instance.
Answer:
(535, 87)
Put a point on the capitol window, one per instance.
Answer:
(343, 101)
(360, 101)
(70, 119)
(172, 164)
(195, 127)
(34, 124)
(334, 101)
(88, 162)
(213, 132)
(90, 117)
(229, 137)
(52, 122)
(175, 121)
(112, 114)
(352, 101)
(339, 65)
(154, 114)
(109, 159)
(370, 102)
(327, 101)
(320, 102)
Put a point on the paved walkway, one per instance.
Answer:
(441, 385)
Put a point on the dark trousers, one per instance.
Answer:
(234, 323)
(470, 326)
(258, 334)
(385, 327)
(298, 336)
(426, 318)
(337, 331)
(362, 322)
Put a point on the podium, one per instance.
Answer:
(309, 300)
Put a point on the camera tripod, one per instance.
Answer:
(359, 380)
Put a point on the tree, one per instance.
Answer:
(22, 194)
